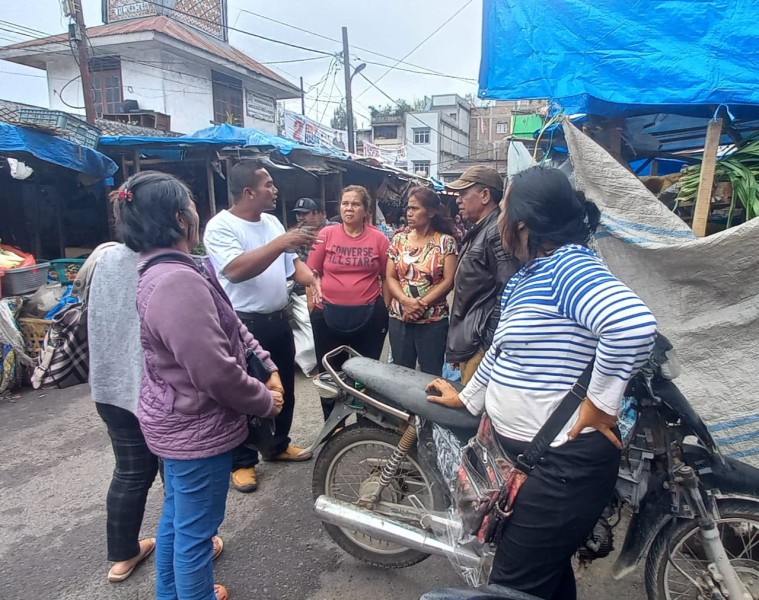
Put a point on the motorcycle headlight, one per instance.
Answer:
(671, 368)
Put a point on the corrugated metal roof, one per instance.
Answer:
(173, 29)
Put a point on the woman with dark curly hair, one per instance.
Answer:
(561, 311)
(419, 276)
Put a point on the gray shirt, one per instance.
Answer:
(113, 330)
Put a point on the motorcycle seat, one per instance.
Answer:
(404, 389)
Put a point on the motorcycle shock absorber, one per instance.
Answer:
(408, 439)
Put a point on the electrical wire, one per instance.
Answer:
(420, 44)
(324, 37)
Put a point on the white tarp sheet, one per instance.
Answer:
(704, 292)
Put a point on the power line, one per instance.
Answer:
(336, 41)
(374, 85)
(420, 44)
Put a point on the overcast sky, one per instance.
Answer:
(390, 27)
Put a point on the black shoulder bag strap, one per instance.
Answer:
(551, 428)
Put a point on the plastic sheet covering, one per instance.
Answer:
(616, 56)
(704, 292)
(56, 150)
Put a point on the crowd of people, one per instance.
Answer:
(178, 400)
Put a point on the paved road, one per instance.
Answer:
(55, 465)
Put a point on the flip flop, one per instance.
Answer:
(218, 546)
(118, 578)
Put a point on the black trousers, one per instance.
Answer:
(368, 341)
(556, 509)
(134, 473)
(276, 336)
(422, 342)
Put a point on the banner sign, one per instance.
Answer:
(260, 107)
(309, 132)
(393, 156)
(209, 16)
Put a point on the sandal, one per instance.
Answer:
(220, 591)
(146, 549)
(218, 546)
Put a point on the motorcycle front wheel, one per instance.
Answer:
(677, 567)
(348, 468)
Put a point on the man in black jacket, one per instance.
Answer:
(484, 268)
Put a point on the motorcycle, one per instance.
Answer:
(380, 489)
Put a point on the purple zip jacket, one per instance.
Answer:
(195, 390)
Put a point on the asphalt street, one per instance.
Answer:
(55, 467)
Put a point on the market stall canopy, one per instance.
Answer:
(223, 136)
(622, 58)
(56, 150)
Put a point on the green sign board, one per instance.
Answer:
(525, 126)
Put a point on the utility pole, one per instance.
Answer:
(348, 95)
(79, 35)
(302, 99)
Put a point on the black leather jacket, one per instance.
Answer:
(484, 268)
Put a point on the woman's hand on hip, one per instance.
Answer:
(446, 394)
(275, 383)
(594, 417)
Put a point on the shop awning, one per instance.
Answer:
(56, 150)
(622, 58)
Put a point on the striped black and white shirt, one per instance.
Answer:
(558, 312)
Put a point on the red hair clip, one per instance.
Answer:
(125, 195)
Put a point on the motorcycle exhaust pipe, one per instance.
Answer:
(361, 520)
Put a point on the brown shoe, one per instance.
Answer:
(220, 591)
(292, 454)
(245, 480)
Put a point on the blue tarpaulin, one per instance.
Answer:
(56, 150)
(623, 57)
(221, 135)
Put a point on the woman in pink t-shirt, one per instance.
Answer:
(351, 259)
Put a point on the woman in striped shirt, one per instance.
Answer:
(560, 311)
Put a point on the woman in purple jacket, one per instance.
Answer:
(195, 389)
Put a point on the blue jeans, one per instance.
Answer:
(193, 509)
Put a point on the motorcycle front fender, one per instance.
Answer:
(653, 515)
(722, 477)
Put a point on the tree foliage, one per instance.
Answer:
(339, 118)
(400, 108)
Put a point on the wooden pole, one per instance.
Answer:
(706, 181)
(323, 192)
(230, 199)
(80, 38)
(136, 161)
(211, 189)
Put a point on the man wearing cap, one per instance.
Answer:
(311, 218)
(484, 268)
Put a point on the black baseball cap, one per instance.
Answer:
(306, 205)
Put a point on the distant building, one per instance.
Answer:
(437, 136)
(150, 69)
(491, 127)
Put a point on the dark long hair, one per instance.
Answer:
(146, 208)
(431, 202)
(552, 210)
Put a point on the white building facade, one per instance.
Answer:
(437, 136)
(159, 65)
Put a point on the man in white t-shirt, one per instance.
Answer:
(254, 256)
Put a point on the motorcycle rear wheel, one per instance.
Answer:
(350, 462)
(739, 530)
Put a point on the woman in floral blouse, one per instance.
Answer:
(419, 276)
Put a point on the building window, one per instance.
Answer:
(227, 99)
(421, 167)
(502, 128)
(385, 132)
(105, 73)
(422, 135)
